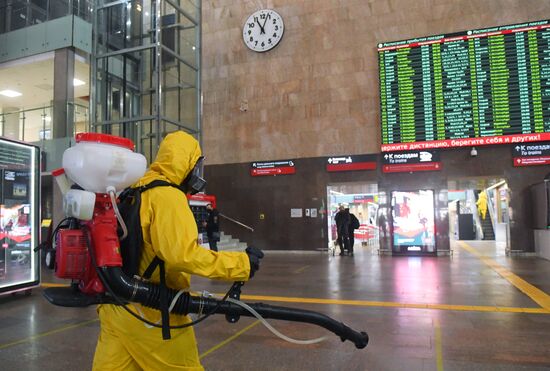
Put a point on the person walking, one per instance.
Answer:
(353, 225)
(212, 227)
(342, 220)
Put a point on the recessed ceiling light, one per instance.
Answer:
(10, 93)
(77, 82)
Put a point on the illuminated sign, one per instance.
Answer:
(474, 88)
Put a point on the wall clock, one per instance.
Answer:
(263, 30)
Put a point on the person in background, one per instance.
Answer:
(212, 225)
(353, 225)
(342, 220)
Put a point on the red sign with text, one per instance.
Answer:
(531, 161)
(467, 142)
(273, 171)
(281, 167)
(409, 168)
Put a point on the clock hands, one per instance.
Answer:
(266, 18)
(262, 30)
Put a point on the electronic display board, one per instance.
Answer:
(479, 87)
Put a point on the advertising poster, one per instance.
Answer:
(413, 221)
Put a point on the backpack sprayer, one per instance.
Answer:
(88, 249)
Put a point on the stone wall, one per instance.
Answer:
(316, 93)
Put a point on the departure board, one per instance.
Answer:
(479, 87)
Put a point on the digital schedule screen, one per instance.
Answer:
(478, 87)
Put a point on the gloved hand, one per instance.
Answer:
(254, 254)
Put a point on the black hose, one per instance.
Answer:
(148, 294)
(124, 289)
(360, 339)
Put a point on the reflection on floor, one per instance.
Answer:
(422, 313)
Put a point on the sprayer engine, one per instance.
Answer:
(72, 258)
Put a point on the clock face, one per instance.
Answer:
(263, 30)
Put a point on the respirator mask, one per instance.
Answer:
(194, 183)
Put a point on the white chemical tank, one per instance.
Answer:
(98, 161)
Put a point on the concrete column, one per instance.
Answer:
(11, 123)
(63, 93)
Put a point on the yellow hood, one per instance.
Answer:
(178, 153)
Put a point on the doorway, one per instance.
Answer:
(362, 201)
(479, 210)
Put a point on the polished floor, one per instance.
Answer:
(476, 310)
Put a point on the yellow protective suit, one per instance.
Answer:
(481, 204)
(169, 232)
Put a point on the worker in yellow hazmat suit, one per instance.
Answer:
(481, 204)
(170, 233)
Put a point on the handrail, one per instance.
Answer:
(236, 222)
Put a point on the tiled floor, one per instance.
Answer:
(392, 298)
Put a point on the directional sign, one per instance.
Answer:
(283, 167)
(531, 154)
(410, 161)
(351, 163)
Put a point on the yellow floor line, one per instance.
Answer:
(48, 333)
(363, 303)
(228, 340)
(300, 270)
(387, 304)
(537, 295)
(438, 347)
(51, 284)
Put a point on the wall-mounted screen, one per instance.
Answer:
(413, 224)
(478, 87)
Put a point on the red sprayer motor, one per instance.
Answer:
(100, 165)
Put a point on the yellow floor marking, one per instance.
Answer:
(51, 284)
(438, 347)
(537, 295)
(363, 303)
(228, 340)
(48, 333)
(300, 270)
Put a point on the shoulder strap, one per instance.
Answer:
(157, 183)
(164, 310)
(157, 262)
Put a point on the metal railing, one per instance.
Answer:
(36, 124)
(17, 14)
(237, 222)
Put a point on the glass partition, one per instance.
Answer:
(35, 126)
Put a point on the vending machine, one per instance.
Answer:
(19, 215)
(413, 222)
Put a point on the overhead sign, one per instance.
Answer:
(272, 168)
(351, 163)
(531, 154)
(410, 161)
